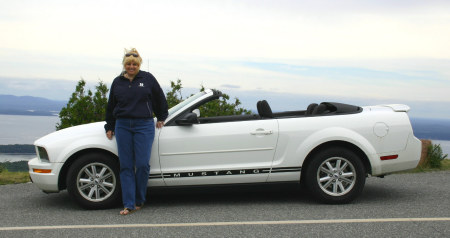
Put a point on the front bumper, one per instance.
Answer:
(48, 182)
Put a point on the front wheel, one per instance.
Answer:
(335, 175)
(93, 181)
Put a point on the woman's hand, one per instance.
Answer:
(159, 124)
(109, 134)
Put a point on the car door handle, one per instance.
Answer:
(261, 132)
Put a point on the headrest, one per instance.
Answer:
(322, 108)
(311, 108)
(264, 110)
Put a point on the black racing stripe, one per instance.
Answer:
(286, 169)
(225, 172)
(155, 176)
(217, 173)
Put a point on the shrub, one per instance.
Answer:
(435, 156)
(2, 167)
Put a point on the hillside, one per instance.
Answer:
(30, 106)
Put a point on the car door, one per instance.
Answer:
(218, 153)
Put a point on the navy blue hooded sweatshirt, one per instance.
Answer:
(136, 99)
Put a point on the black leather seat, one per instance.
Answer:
(311, 108)
(321, 109)
(264, 110)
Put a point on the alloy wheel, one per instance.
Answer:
(96, 182)
(336, 176)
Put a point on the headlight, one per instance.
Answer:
(42, 154)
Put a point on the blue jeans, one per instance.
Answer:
(134, 139)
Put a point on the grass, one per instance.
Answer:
(445, 165)
(7, 177)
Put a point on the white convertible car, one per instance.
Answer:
(330, 148)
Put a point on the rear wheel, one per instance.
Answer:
(335, 175)
(93, 181)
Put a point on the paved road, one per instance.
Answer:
(403, 205)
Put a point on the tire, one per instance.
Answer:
(93, 181)
(335, 176)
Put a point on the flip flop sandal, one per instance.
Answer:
(138, 206)
(126, 211)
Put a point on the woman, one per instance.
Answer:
(134, 96)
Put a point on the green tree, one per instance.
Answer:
(100, 101)
(84, 106)
(174, 96)
(220, 107)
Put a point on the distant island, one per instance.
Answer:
(17, 149)
(29, 106)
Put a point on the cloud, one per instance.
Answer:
(286, 29)
(38, 87)
(229, 86)
(301, 78)
(293, 102)
(384, 50)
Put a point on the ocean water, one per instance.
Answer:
(16, 129)
(15, 157)
(445, 145)
(26, 129)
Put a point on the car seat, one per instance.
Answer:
(311, 108)
(264, 110)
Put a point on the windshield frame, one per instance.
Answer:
(185, 102)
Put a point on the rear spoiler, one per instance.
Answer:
(397, 107)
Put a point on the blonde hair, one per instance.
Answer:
(131, 58)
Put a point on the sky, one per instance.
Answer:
(289, 52)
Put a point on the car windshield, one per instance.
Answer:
(188, 100)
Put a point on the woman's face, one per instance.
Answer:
(132, 68)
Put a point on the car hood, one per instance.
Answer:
(73, 133)
(63, 143)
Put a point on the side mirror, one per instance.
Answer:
(197, 112)
(188, 120)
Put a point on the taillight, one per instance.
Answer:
(389, 157)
